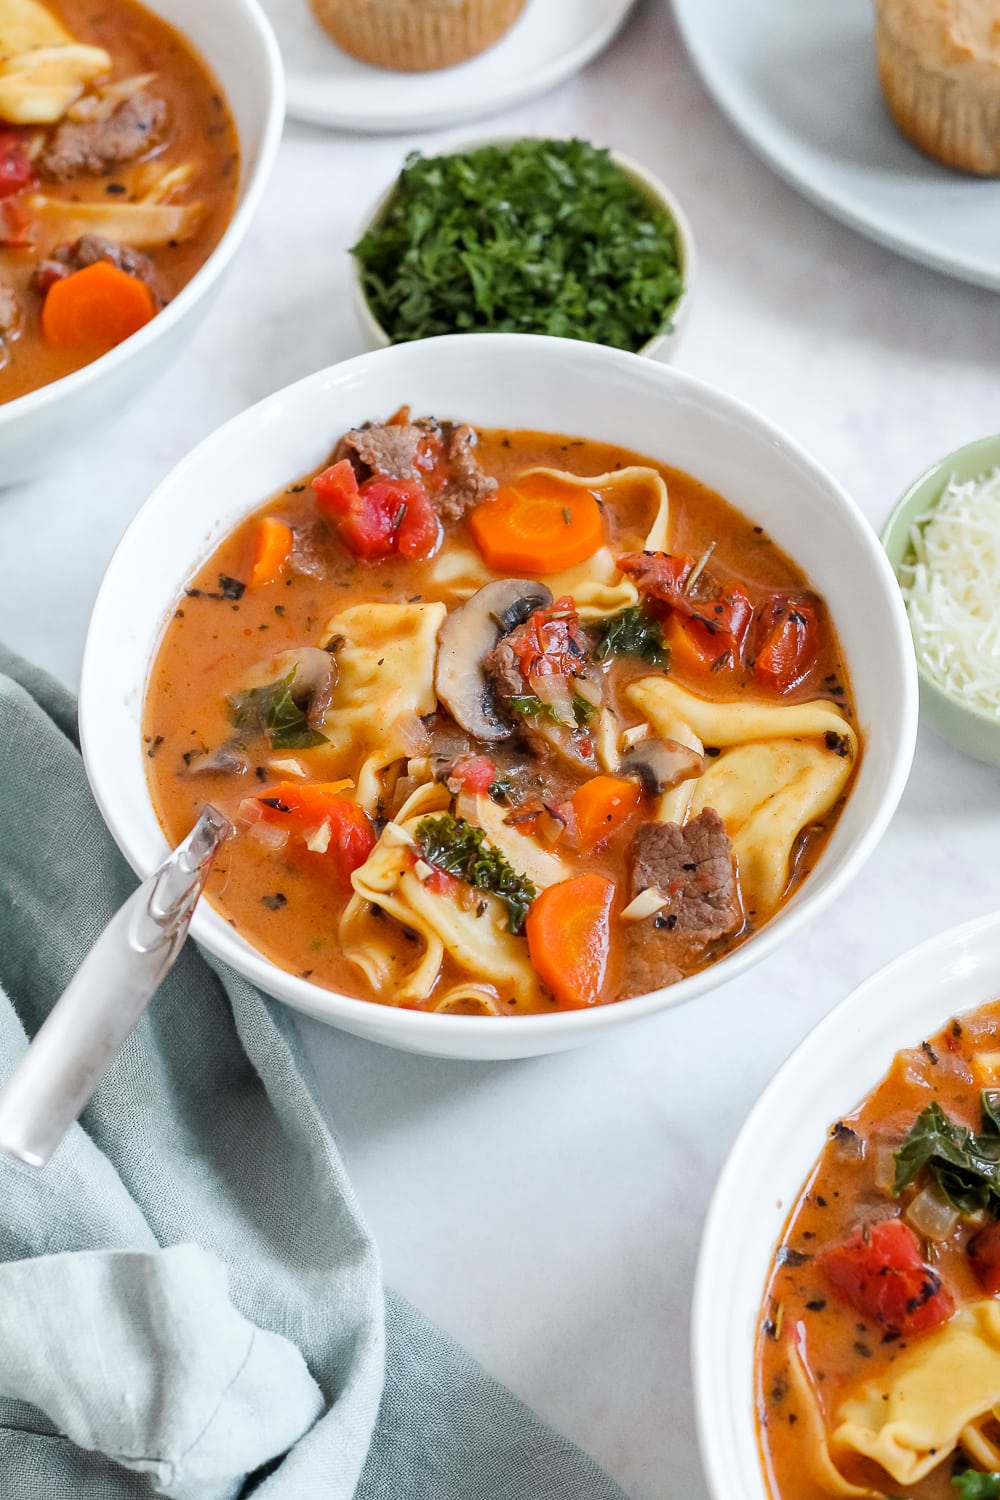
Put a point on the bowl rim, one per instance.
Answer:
(654, 188)
(855, 1009)
(895, 519)
(273, 118)
(335, 1007)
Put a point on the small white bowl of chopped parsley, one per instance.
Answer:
(526, 235)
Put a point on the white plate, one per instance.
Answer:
(797, 78)
(825, 1077)
(552, 40)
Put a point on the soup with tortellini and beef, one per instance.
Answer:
(506, 722)
(119, 167)
(878, 1355)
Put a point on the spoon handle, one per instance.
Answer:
(89, 1023)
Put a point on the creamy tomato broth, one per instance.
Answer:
(119, 166)
(878, 1359)
(506, 721)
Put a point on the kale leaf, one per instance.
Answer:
(540, 236)
(273, 710)
(966, 1167)
(630, 633)
(455, 846)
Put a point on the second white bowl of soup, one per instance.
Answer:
(556, 699)
(126, 188)
(846, 1328)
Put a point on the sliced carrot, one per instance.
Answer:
(569, 937)
(272, 546)
(96, 308)
(601, 806)
(539, 525)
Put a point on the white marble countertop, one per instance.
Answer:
(548, 1212)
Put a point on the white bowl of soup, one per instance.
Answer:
(846, 1326)
(132, 161)
(547, 688)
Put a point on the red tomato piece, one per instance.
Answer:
(379, 517)
(16, 169)
(984, 1253)
(476, 773)
(660, 575)
(551, 642)
(786, 641)
(17, 226)
(305, 806)
(715, 631)
(880, 1273)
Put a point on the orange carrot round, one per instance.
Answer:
(96, 308)
(601, 806)
(539, 525)
(272, 546)
(569, 938)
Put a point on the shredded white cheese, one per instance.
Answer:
(951, 587)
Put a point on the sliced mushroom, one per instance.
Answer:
(467, 636)
(661, 764)
(316, 676)
(229, 759)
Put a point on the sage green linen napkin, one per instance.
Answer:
(190, 1300)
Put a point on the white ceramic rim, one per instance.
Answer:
(580, 1024)
(767, 143)
(661, 345)
(207, 274)
(530, 85)
(875, 1015)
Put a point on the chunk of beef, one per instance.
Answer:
(310, 556)
(503, 670)
(96, 146)
(10, 312)
(467, 483)
(448, 743)
(406, 450)
(694, 868)
(86, 251)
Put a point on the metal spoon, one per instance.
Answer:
(89, 1023)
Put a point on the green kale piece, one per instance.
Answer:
(455, 846)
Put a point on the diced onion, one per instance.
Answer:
(410, 732)
(555, 691)
(644, 905)
(318, 839)
(951, 588)
(269, 834)
(250, 811)
(630, 737)
(287, 766)
(932, 1215)
(423, 870)
(884, 1167)
(589, 691)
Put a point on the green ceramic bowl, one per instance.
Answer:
(971, 729)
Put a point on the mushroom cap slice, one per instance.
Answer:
(467, 636)
(661, 764)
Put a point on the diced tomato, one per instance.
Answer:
(660, 575)
(307, 806)
(711, 636)
(17, 226)
(16, 169)
(551, 642)
(880, 1273)
(984, 1253)
(786, 642)
(379, 517)
(476, 773)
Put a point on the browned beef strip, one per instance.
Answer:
(503, 670)
(86, 251)
(467, 483)
(693, 866)
(136, 126)
(311, 549)
(448, 742)
(10, 312)
(391, 449)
